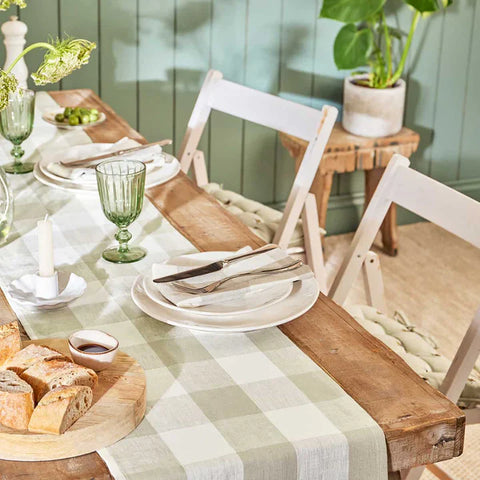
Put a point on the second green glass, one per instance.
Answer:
(16, 123)
(121, 186)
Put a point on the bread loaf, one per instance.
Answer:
(16, 401)
(29, 356)
(49, 374)
(60, 408)
(10, 342)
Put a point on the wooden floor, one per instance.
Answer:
(435, 281)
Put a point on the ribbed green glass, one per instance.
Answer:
(121, 186)
(16, 123)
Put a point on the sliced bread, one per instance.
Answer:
(60, 408)
(16, 401)
(49, 374)
(29, 356)
(10, 342)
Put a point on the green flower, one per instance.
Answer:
(62, 59)
(8, 85)
(4, 4)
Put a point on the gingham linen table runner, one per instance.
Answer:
(236, 406)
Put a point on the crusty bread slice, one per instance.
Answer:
(29, 356)
(49, 374)
(60, 408)
(16, 401)
(10, 342)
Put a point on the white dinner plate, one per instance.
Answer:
(303, 295)
(49, 117)
(251, 302)
(158, 176)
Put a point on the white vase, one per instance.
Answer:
(373, 112)
(14, 32)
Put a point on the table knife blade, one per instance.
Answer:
(214, 266)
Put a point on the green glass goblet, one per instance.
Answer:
(16, 123)
(121, 186)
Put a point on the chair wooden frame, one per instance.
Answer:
(279, 114)
(441, 205)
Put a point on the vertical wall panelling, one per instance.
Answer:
(152, 57)
(228, 56)
(156, 70)
(422, 85)
(327, 80)
(192, 61)
(118, 49)
(261, 73)
(452, 81)
(470, 147)
(43, 22)
(80, 19)
(296, 78)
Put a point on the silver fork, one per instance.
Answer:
(214, 285)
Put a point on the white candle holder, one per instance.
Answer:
(46, 287)
(35, 292)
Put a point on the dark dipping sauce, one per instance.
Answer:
(93, 348)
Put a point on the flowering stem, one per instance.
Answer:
(28, 49)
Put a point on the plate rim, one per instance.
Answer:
(222, 329)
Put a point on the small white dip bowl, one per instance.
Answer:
(95, 360)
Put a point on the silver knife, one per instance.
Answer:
(213, 267)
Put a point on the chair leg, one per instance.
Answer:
(374, 288)
(200, 168)
(313, 242)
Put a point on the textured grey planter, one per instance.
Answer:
(373, 112)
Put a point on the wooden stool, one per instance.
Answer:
(346, 153)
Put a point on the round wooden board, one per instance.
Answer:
(119, 403)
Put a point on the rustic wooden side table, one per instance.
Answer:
(346, 153)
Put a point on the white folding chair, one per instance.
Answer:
(456, 213)
(279, 114)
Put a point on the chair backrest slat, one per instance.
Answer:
(264, 109)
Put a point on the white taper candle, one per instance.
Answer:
(46, 266)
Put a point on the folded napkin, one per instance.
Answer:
(80, 152)
(233, 289)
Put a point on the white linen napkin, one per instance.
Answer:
(79, 152)
(233, 289)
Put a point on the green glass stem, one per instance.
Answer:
(123, 236)
(17, 153)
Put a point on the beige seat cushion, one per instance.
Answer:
(419, 350)
(260, 219)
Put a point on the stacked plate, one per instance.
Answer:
(271, 306)
(159, 171)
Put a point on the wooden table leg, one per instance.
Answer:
(389, 225)
(321, 188)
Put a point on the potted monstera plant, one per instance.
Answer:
(373, 101)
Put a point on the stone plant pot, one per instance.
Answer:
(373, 112)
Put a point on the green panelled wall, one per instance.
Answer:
(152, 56)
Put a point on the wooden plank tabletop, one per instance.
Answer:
(421, 425)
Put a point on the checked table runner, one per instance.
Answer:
(234, 406)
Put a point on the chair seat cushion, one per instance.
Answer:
(419, 350)
(260, 219)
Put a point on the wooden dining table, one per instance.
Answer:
(421, 426)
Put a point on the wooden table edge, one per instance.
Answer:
(163, 194)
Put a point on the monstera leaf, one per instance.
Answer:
(353, 47)
(428, 6)
(350, 11)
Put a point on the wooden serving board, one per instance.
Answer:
(119, 403)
